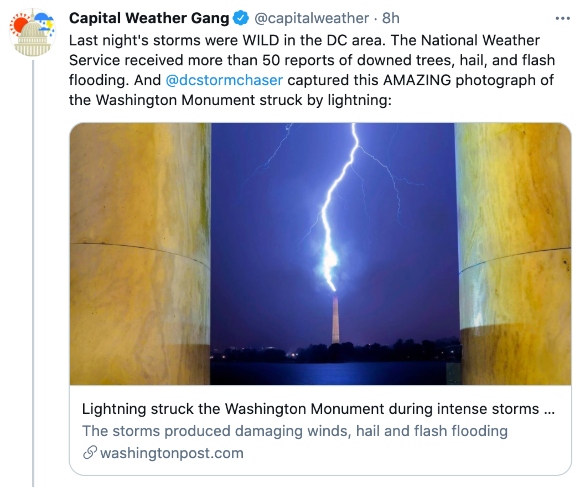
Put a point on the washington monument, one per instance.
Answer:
(335, 333)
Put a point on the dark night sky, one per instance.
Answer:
(394, 281)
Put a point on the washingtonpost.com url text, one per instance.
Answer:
(161, 454)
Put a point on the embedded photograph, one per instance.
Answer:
(320, 254)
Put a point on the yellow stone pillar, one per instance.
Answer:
(513, 192)
(140, 255)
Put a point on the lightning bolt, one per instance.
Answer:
(393, 179)
(362, 187)
(266, 165)
(310, 229)
(330, 257)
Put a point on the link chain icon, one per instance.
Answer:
(90, 451)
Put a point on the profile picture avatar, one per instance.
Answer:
(32, 32)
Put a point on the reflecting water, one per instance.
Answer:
(353, 373)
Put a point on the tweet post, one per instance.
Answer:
(298, 240)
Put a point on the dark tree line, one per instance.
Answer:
(446, 349)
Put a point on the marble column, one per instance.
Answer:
(513, 191)
(140, 255)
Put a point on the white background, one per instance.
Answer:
(54, 120)
(537, 444)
